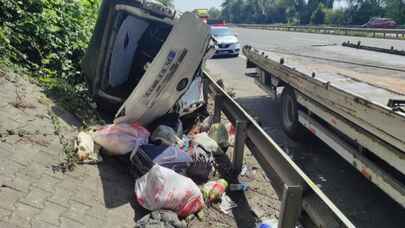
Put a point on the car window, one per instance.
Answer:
(221, 32)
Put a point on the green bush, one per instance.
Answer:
(47, 37)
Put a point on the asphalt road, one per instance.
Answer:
(363, 203)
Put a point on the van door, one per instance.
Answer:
(170, 74)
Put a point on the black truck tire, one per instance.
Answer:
(289, 115)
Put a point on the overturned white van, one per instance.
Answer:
(142, 58)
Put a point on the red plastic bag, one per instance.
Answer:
(120, 139)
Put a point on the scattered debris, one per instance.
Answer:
(239, 187)
(159, 219)
(165, 135)
(87, 151)
(268, 223)
(227, 204)
(206, 142)
(213, 190)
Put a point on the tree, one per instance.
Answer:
(214, 13)
(318, 16)
(335, 17)
(395, 9)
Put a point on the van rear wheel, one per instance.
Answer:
(289, 114)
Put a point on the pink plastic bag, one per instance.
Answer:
(163, 188)
(120, 139)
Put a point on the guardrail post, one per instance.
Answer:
(219, 104)
(291, 206)
(239, 147)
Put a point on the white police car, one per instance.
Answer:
(227, 44)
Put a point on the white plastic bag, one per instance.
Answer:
(162, 188)
(205, 142)
(120, 139)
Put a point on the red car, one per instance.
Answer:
(378, 22)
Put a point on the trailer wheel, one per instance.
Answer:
(289, 114)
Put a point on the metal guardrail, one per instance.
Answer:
(302, 200)
(358, 45)
(369, 32)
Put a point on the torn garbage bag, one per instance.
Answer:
(168, 156)
(162, 188)
(165, 135)
(206, 142)
(171, 120)
(160, 219)
(120, 139)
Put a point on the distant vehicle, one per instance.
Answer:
(202, 13)
(378, 22)
(226, 41)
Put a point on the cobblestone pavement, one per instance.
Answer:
(31, 193)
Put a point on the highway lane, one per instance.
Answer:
(361, 201)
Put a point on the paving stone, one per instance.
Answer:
(61, 197)
(51, 213)
(24, 154)
(69, 183)
(40, 224)
(76, 211)
(8, 225)
(47, 159)
(23, 214)
(123, 215)
(46, 183)
(4, 214)
(8, 167)
(90, 221)
(8, 197)
(69, 223)
(21, 182)
(98, 211)
(86, 196)
(35, 170)
(36, 197)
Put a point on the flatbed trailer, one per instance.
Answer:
(362, 121)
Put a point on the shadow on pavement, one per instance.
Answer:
(118, 185)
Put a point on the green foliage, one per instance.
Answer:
(318, 16)
(395, 9)
(335, 17)
(48, 37)
(214, 13)
(309, 11)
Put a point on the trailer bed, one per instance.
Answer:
(376, 84)
(356, 108)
